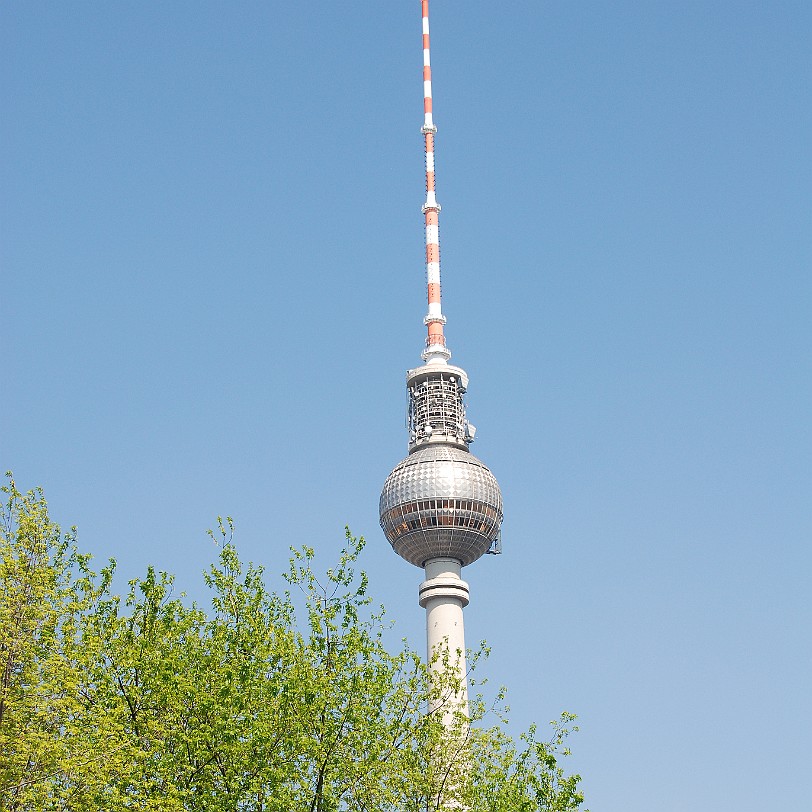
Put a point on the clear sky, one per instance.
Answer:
(213, 282)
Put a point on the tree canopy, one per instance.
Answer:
(149, 702)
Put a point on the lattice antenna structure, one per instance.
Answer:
(436, 349)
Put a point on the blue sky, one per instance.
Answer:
(213, 282)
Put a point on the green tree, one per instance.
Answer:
(150, 703)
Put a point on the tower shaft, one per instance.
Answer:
(444, 595)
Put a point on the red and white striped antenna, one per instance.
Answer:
(436, 350)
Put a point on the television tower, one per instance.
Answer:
(441, 507)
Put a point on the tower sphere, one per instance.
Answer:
(441, 502)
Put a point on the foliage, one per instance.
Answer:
(150, 703)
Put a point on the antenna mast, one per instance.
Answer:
(436, 350)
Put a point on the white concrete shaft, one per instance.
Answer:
(443, 595)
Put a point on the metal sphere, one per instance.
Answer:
(441, 502)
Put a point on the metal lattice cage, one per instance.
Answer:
(437, 402)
